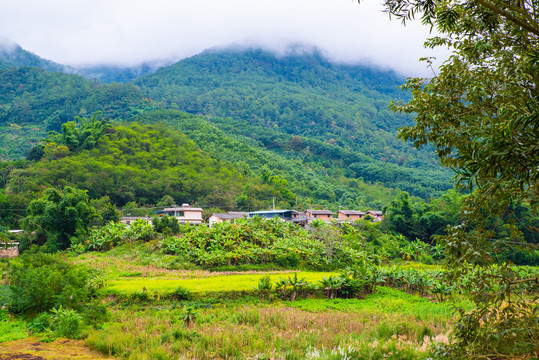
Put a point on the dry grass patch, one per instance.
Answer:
(60, 349)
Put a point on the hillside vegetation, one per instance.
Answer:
(34, 101)
(305, 104)
(298, 107)
(138, 163)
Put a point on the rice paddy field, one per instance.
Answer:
(208, 284)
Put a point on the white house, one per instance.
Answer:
(184, 214)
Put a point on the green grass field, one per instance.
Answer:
(389, 324)
(215, 283)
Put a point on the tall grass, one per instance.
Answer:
(238, 330)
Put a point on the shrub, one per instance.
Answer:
(6, 295)
(289, 260)
(95, 314)
(264, 287)
(41, 323)
(66, 323)
(189, 314)
(181, 293)
(114, 234)
(41, 282)
(166, 224)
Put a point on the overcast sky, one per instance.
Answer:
(83, 32)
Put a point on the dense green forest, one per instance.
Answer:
(298, 107)
(303, 95)
(141, 164)
(34, 101)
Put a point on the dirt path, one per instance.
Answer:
(60, 349)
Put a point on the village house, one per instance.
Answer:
(217, 218)
(377, 215)
(350, 215)
(10, 248)
(324, 215)
(185, 214)
(287, 215)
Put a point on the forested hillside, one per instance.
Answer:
(297, 94)
(34, 101)
(305, 106)
(12, 54)
(311, 182)
(142, 164)
(319, 130)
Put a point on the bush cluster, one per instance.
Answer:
(259, 241)
(41, 282)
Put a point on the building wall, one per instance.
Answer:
(10, 252)
(323, 217)
(353, 217)
(214, 220)
(193, 215)
(318, 216)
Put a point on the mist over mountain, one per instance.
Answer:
(115, 73)
(12, 54)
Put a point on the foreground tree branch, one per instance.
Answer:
(481, 115)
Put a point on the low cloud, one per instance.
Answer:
(131, 31)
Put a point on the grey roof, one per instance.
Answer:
(352, 212)
(230, 216)
(374, 212)
(320, 212)
(270, 212)
(302, 218)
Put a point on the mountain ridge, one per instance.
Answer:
(293, 109)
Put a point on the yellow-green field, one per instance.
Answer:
(215, 283)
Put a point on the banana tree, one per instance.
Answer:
(331, 286)
(297, 285)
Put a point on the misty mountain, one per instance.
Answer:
(299, 107)
(117, 73)
(297, 94)
(303, 106)
(12, 54)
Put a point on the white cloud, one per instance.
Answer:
(79, 32)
